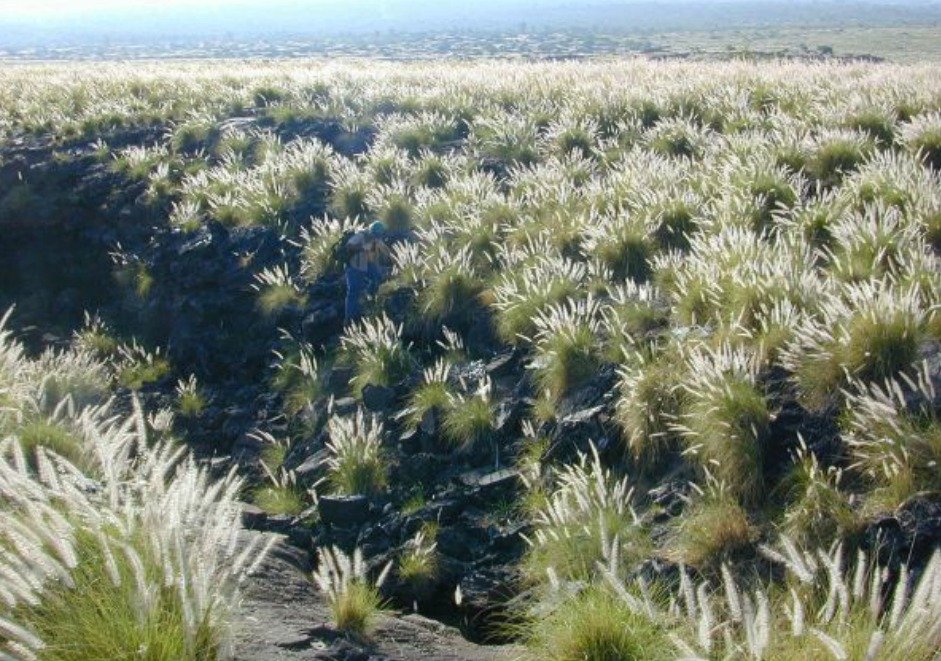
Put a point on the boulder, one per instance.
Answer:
(343, 511)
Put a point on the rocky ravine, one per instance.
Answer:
(282, 616)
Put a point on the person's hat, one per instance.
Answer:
(377, 228)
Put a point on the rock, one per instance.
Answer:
(910, 534)
(307, 472)
(576, 432)
(248, 447)
(484, 594)
(511, 539)
(253, 517)
(279, 523)
(444, 511)
(411, 441)
(429, 424)
(378, 398)
(480, 337)
(305, 450)
(339, 378)
(491, 486)
(458, 543)
(503, 364)
(671, 497)
(343, 649)
(509, 415)
(301, 536)
(322, 323)
(343, 510)
(422, 468)
(345, 406)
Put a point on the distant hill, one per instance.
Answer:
(318, 18)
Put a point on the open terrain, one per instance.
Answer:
(653, 371)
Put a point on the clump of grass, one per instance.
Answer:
(320, 246)
(818, 510)
(712, 530)
(725, 419)
(192, 135)
(922, 136)
(277, 290)
(377, 353)
(418, 565)
(186, 215)
(894, 434)
(98, 614)
(470, 419)
(878, 242)
(649, 405)
(586, 505)
(282, 495)
(353, 599)
(298, 378)
(51, 436)
(273, 453)
(814, 220)
(870, 333)
(836, 155)
(447, 280)
(146, 560)
(138, 162)
(349, 197)
(509, 139)
(676, 137)
(278, 500)
(888, 178)
(528, 287)
(633, 316)
(139, 367)
(433, 395)
(833, 610)
(767, 189)
(190, 400)
(596, 625)
(567, 346)
(675, 220)
(356, 463)
(450, 292)
(414, 503)
(623, 246)
(393, 206)
(874, 122)
(96, 338)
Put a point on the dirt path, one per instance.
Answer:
(283, 617)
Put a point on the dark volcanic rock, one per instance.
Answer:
(910, 534)
(378, 398)
(484, 595)
(344, 510)
(253, 517)
(322, 322)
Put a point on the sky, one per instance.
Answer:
(46, 8)
(34, 22)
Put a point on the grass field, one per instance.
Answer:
(693, 307)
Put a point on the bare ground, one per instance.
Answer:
(284, 617)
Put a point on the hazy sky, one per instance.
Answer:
(39, 8)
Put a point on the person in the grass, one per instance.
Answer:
(366, 252)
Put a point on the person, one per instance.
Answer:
(364, 271)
